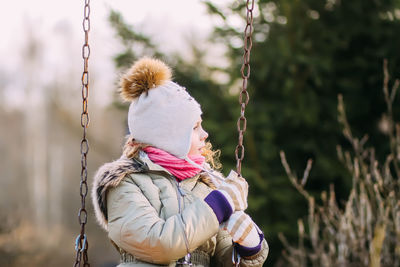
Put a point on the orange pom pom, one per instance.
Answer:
(145, 74)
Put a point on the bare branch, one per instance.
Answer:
(292, 177)
(306, 172)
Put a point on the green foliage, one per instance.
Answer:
(130, 39)
(304, 54)
(365, 231)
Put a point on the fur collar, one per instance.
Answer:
(111, 174)
(108, 176)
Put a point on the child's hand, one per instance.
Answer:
(242, 229)
(235, 189)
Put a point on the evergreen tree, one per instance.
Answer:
(305, 53)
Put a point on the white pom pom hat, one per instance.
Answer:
(164, 118)
(164, 113)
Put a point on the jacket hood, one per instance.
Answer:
(108, 176)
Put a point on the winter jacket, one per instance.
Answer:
(154, 220)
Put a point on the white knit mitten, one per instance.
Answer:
(242, 229)
(235, 189)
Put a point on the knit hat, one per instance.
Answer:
(162, 113)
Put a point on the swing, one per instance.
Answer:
(81, 242)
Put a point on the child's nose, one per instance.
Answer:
(204, 135)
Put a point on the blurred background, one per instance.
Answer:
(305, 53)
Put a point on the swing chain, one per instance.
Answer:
(81, 243)
(244, 95)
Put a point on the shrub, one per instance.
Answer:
(366, 230)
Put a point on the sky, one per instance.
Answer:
(177, 14)
(57, 28)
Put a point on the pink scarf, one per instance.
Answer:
(180, 168)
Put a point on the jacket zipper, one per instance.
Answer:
(181, 195)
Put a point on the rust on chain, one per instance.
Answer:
(244, 94)
(81, 242)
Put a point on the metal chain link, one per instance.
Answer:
(243, 99)
(244, 95)
(81, 243)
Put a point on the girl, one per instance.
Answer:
(161, 202)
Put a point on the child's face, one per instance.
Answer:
(198, 141)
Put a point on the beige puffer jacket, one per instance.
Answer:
(153, 220)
